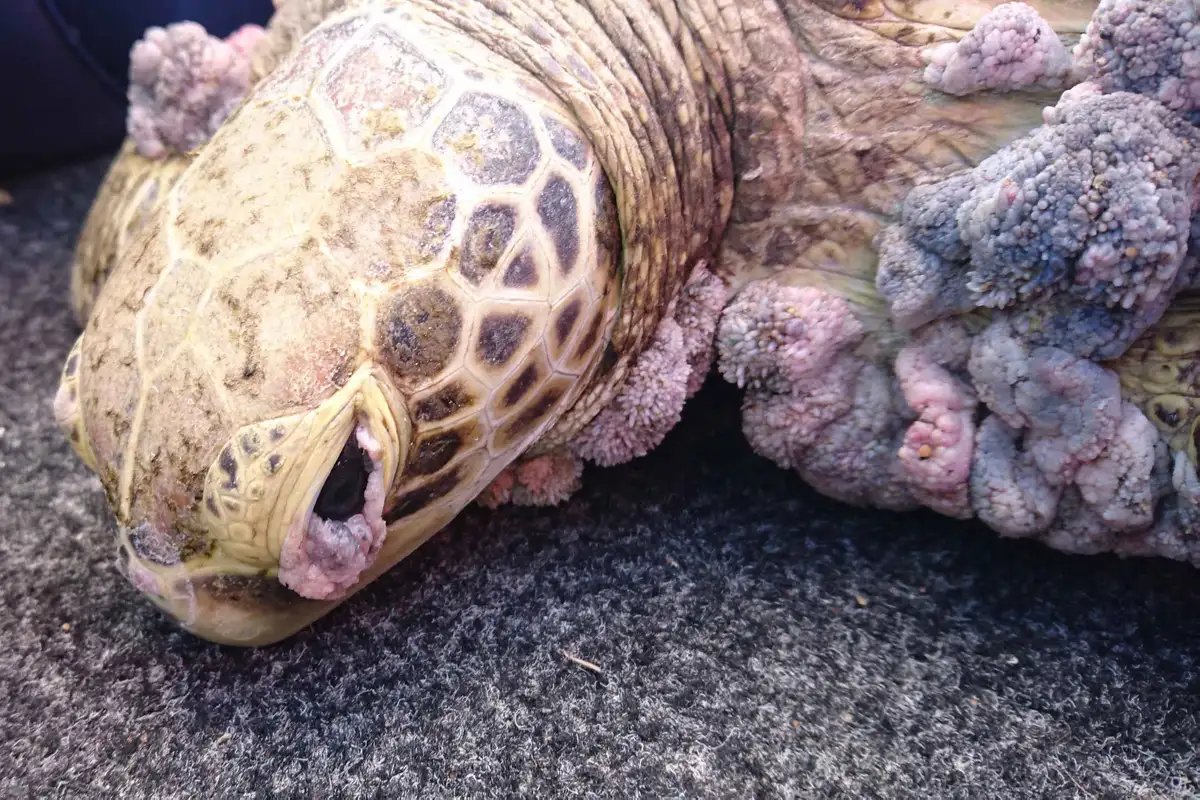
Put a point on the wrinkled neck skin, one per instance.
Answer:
(765, 137)
(649, 83)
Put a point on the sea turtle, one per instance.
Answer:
(385, 258)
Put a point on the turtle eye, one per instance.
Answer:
(344, 492)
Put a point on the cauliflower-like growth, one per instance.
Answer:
(1091, 211)
(782, 426)
(1076, 94)
(916, 282)
(1079, 529)
(245, 40)
(1151, 47)
(1117, 484)
(772, 335)
(1089, 331)
(1111, 505)
(936, 453)
(1184, 480)
(323, 558)
(184, 83)
(697, 312)
(671, 369)
(1175, 492)
(998, 363)
(500, 490)
(1010, 48)
(1008, 492)
(839, 432)
(1062, 456)
(544, 480)
(854, 458)
(1071, 406)
(547, 480)
(646, 408)
(813, 403)
(1175, 534)
(1100, 201)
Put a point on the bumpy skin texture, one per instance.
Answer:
(324, 558)
(663, 377)
(648, 405)
(1072, 240)
(1071, 406)
(936, 452)
(1117, 484)
(1077, 238)
(1008, 491)
(920, 284)
(1010, 48)
(773, 336)
(1085, 222)
(813, 402)
(1151, 47)
(673, 99)
(545, 480)
(1058, 428)
(184, 83)
(698, 311)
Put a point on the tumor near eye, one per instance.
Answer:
(344, 492)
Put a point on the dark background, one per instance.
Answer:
(64, 67)
(755, 640)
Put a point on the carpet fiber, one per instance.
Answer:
(752, 639)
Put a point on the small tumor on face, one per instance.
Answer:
(151, 544)
(336, 544)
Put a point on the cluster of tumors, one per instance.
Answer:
(1024, 293)
(1020, 295)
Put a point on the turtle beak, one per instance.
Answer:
(291, 521)
(338, 534)
(241, 610)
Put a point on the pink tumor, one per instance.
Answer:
(322, 559)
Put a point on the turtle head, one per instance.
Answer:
(242, 527)
(384, 277)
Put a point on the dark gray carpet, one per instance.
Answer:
(754, 639)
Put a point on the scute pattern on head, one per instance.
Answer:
(491, 138)
(376, 111)
(133, 191)
(419, 333)
(278, 333)
(463, 329)
(111, 367)
(290, 22)
(457, 258)
(388, 216)
(261, 180)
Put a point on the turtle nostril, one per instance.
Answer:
(345, 489)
